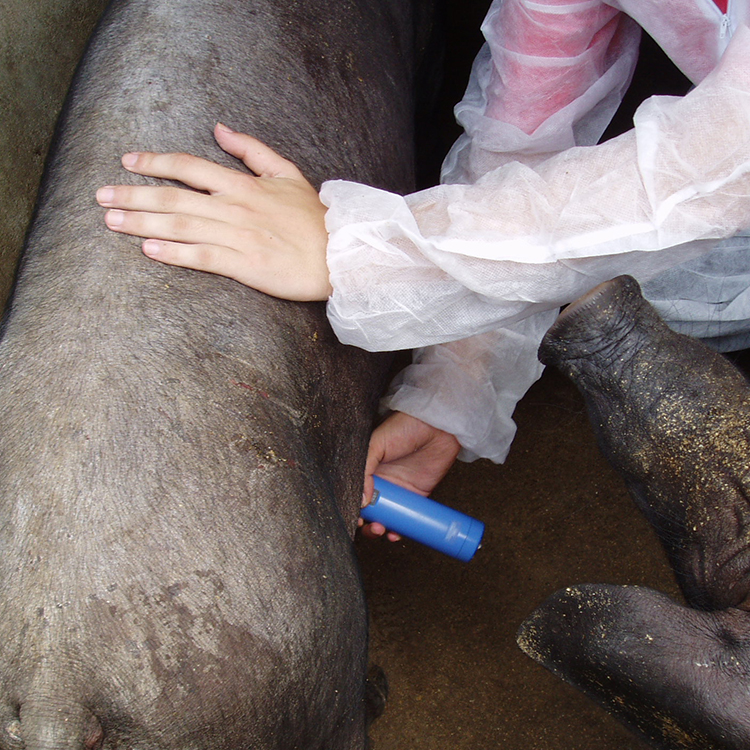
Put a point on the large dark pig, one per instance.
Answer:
(181, 457)
(673, 417)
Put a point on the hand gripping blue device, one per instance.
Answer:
(424, 520)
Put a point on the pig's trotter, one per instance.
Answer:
(673, 417)
(679, 677)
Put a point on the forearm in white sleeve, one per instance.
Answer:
(550, 76)
(456, 260)
(470, 388)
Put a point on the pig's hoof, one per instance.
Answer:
(601, 299)
(677, 676)
(594, 323)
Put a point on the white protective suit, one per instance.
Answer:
(532, 214)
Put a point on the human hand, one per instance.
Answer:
(408, 452)
(265, 230)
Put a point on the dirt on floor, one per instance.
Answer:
(444, 631)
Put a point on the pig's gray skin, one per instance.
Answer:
(673, 417)
(181, 458)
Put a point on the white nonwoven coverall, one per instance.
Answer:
(531, 214)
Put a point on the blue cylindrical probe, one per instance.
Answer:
(424, 520)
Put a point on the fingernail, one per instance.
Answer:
(151, 248)
(105, 196)
(365, 502)
(114, 218)
(129, 160)
(222, 126)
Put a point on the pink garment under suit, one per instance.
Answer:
(531, 213)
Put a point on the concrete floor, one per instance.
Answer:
(555, 513)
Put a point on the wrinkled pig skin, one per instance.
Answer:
(181, 457)
(672, 417)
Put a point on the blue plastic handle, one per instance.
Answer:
(424, 520)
